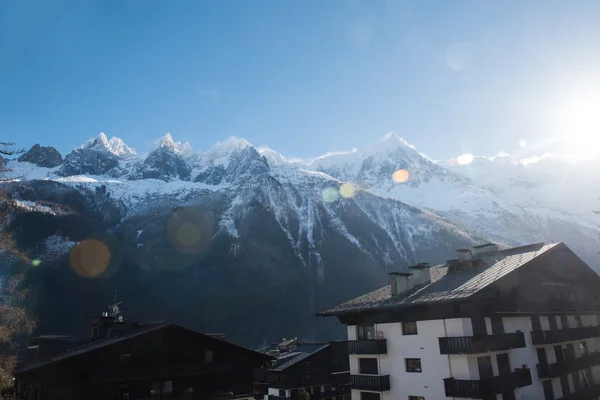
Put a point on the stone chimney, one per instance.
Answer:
(464, 254)
(421, 274)
(400, 282)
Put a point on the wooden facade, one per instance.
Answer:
(165, 362)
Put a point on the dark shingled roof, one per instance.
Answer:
(446, 287)
(142, 330)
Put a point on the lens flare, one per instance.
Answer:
(36, 263)
(522, 143)
(189, 230)
(452, 162)
(330, 194)
(464, 159)
(90, 258)
(400, 176)
(348, 190)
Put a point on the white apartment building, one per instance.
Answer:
(520, 323)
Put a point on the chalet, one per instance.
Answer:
(517, 323)
(300, 364)
(128, 360)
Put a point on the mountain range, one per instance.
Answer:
(243, 240)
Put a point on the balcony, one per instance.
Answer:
(367, 346)
(566, 367)
(485, 388)
(588, 393)
(564, 335)
(482, 343)
(373, 383)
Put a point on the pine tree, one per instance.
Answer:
(14, 316)
(303, 394)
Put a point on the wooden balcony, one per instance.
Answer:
(564, 335)
(587, 393)
(566, 367)
(367, 346)
(373, 383)
(486, 388)
(481, 343)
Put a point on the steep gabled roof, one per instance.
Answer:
(457, 285)
(135, 333)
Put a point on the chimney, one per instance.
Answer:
(401, 282)
(421, 274)
(464, 254)
(485, 249)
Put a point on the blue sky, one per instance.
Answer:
(304, 77)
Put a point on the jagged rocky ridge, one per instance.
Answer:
(241, 240)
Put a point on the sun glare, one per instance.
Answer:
(582, 124)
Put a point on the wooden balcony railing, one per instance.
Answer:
(481, 343)
(568, 366)
(564, 335)
(590, 392)
(485, 388)
(373, 383)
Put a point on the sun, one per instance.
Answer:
(581, 121)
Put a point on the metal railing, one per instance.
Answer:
(566, 367)
(481, 343)
(367, 346)
(565, 335)
(374, 383)
(484, 388)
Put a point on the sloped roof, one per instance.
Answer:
(137, 332)
(286, 360)
(446, 287)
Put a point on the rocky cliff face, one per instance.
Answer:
(47, 157)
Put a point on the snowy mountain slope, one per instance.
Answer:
(269, 239)
(236, 223)
(552, 183)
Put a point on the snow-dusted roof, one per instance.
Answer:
(444, 286)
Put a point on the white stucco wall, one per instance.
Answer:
(436, 367)
(425, 345)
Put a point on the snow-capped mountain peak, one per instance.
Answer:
(113, 145)
(229, 145)
(273, 157)
(177, 147)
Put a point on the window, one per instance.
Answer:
(282, 393)
(369, 396)
(497, 325)
(416, 398)
(368, 366)
(548, 391)
(365, 332)
(409, 328)
(564, 384)
(578, 322)
(208, 357)
(124, 393)
(160, 388)
(564, 322)
(413, 365)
